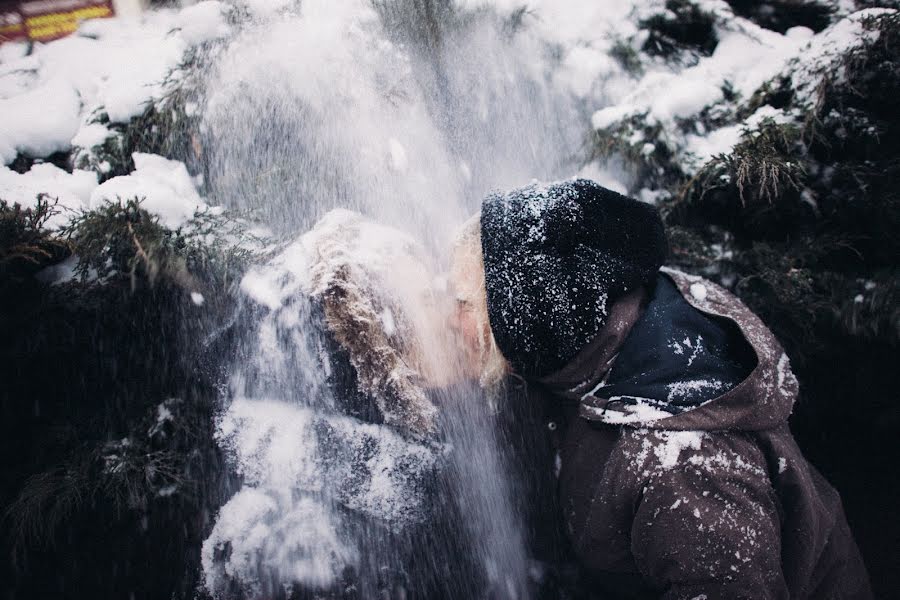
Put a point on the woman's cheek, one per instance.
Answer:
(469, 327)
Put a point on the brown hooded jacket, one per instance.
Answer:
(713, 502)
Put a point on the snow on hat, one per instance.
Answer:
(556, 257)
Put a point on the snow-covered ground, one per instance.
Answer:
(50, 100)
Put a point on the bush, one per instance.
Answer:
(110, 384)
(806, 214)
(683, 33)
(168, 127)
(26, 246)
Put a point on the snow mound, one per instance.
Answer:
(821, 58)
(72, 191)
(40, 121)
(165, 187)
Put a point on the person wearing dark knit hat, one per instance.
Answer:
(666, 401)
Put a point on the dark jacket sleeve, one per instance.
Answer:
(709, 528)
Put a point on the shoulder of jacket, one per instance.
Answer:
(653, 455)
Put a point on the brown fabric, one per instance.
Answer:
(715, 502)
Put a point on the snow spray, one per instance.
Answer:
(407, 112)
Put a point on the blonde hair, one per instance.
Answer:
(467, 253)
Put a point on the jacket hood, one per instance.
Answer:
(763, 400)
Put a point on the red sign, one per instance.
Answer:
(45, 20)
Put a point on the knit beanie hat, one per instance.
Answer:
(556, 257)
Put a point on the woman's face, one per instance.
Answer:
(466, 289)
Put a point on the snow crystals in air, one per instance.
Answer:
(399, 161)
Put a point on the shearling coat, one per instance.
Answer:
(716, 501)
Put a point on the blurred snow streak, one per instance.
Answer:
(408, 112)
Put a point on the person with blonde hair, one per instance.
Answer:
(666, 401)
